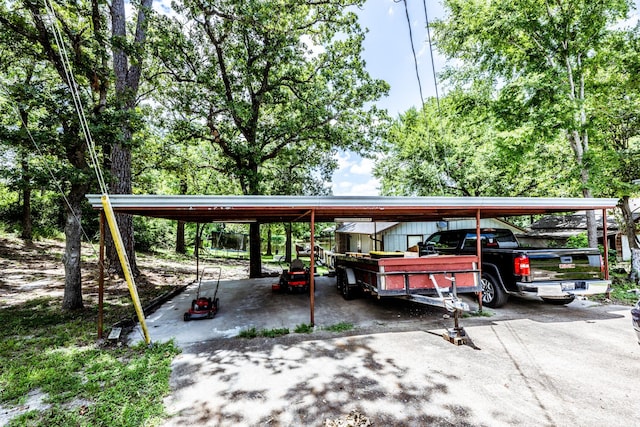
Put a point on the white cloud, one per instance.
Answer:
(162, 6)
(313, 50)
(367, 188)
(363, 167)
(354, 176)
(344, 161)
(628, 23)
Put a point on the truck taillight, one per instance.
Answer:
(521, 265)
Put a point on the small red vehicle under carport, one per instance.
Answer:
(296, 279)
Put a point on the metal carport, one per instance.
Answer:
(312, 209)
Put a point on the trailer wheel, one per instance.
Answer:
(346, 293)
(492, 293)
(340, 279)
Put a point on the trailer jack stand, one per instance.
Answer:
(457, 334)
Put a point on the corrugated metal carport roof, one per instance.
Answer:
(266, 209)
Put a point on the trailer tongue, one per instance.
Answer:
(433, 279)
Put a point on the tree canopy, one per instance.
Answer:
(245, 97)
(275, 86)
(272, 85)
(539, 103)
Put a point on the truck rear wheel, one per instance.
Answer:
(492, 293)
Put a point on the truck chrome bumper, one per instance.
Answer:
(565, 288)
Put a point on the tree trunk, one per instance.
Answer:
(288, 244)
(579, 140)
(269, 252)
(72, 299)
(27, 226)
(635, 266)
(580, 144)
(181, 248)
(629, 224)
(255, 257)
(126, 88)
(592, 229)
(121, 171)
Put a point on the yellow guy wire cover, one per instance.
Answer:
(122, 255)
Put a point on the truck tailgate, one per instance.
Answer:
(564, 264)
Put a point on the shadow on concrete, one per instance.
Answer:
(293, 382)
(394, 367)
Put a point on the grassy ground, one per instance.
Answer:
(622, 290)
(53, 370)
(51, 357)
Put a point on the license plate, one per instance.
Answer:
(568, 286)
(566, 265)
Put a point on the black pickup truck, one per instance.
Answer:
(555, 275)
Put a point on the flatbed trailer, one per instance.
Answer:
(432, 279)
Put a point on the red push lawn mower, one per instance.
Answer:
(204, 307)
(296, 279)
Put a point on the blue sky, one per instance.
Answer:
(388, 56)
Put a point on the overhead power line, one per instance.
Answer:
(433, 64)
(413, 50)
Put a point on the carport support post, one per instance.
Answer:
(479, 252)
(312, 268)
(605, 243)
(101, 278)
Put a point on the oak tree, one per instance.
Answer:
(272, 85)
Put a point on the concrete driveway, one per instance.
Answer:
(528, 364)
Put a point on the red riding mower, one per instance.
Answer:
(296, 279)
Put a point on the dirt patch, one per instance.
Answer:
(36, 270)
